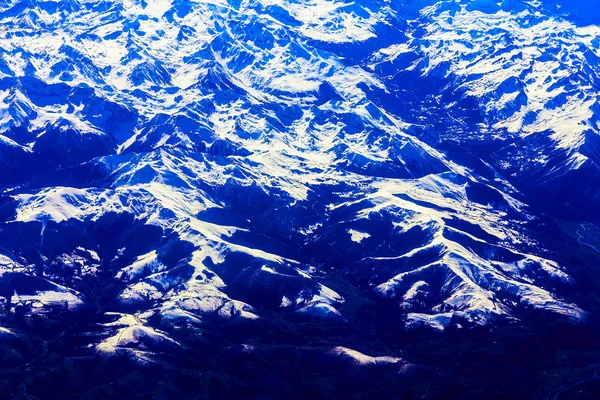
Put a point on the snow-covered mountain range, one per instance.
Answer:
(178, 175)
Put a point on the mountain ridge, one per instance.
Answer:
(238, 174)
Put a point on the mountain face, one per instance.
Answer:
(299, 199)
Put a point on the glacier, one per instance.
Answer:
(263, 198)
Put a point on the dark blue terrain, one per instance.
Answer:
(267, 199)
